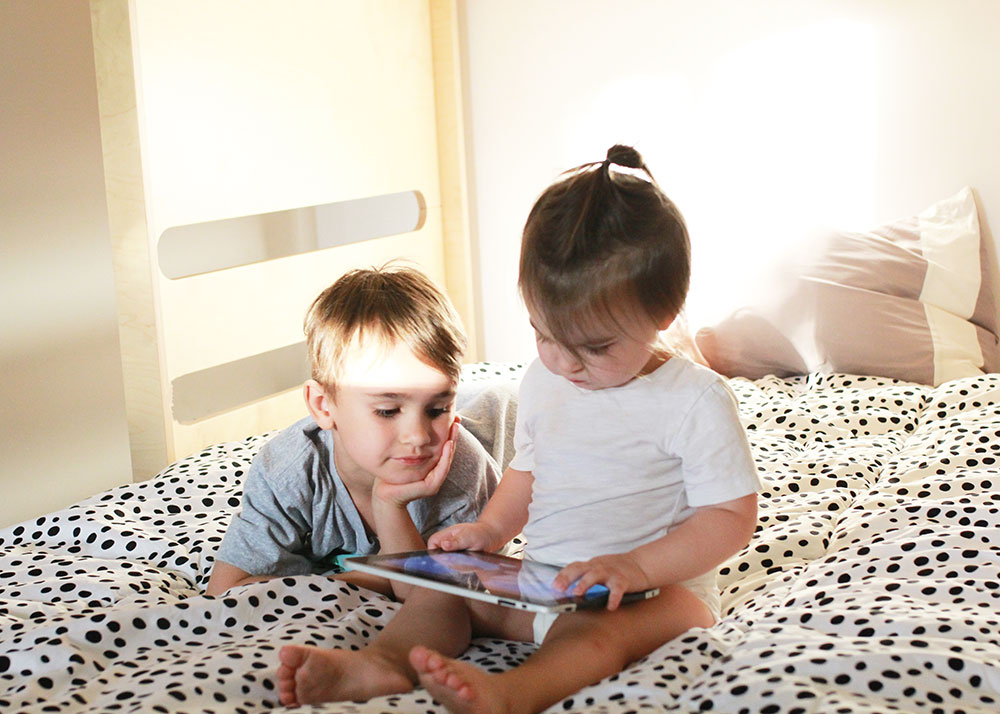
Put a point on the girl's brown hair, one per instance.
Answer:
(391, 304)
(602, 240)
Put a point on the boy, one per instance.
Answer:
(382, 462)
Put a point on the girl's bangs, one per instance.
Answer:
(575, 314)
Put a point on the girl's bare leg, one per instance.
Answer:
(580, 649)
(311, 675)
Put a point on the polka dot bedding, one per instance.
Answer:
(872, 583)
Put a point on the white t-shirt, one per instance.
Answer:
(616, 468)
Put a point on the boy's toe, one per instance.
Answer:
(420, 658)
(291, 656)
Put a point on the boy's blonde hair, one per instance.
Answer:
(391, 304)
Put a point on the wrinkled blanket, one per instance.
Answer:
(872, 583)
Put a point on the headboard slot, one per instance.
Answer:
(184, 251)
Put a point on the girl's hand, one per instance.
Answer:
(400, 494)
(618, 573)
(465, 536)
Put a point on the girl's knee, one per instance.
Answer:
(604, 639)
(601, 635)
(635, 630)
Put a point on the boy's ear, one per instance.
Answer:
(320, 404)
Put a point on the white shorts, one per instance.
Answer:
(703, 587)
(541, 624)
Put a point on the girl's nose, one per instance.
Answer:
(568, 362)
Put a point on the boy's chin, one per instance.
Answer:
(403, 476)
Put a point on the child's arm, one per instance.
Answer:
(225, 576)
(368, 582)
(709, 536)
(503, 517)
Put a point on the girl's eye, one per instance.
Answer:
(437, 412)
(596, 349)
(386, 413)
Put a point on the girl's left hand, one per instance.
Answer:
(620, 574)
(401, 494)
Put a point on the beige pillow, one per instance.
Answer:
(912, 300)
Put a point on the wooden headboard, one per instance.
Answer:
(213, 111)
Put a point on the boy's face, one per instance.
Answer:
(391, 415)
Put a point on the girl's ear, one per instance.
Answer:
(320, 404)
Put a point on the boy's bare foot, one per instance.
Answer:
(460, 686)
(311, 675)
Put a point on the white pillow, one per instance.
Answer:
(912, 300)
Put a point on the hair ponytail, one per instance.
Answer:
(626, 156)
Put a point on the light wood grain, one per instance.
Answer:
(135, 285)
(233, 109)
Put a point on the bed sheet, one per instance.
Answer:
(872, 583)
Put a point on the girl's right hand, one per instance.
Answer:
(465, 536)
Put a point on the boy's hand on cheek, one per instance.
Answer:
(619, 573)
(400, 494)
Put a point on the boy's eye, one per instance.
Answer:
(386, 413)
(436, 412)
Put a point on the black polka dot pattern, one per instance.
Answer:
(872, 583)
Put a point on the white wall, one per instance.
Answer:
(63, 434)
(763, 120)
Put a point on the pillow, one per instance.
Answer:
(912, 300)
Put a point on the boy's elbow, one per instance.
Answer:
(216, 585)
(225, 576)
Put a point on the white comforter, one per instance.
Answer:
(871, 585)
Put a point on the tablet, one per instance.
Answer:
(511, 582)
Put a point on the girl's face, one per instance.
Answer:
(600, 355)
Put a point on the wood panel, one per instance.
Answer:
(245, 108)
(135, 286)
(453, 165)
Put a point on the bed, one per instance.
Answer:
(872, 583)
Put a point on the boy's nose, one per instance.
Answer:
(416, 432)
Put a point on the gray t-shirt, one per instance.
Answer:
(297, 516)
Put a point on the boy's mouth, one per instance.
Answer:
(412, 460)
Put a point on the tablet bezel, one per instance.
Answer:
(387, 566)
